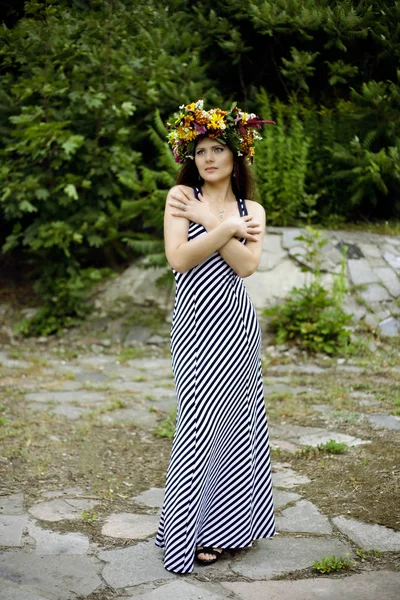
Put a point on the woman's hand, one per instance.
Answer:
(245, 227)
(182, 200)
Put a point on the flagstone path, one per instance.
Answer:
(40, 562)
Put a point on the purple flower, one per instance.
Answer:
(200, 128)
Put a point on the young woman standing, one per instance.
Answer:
(218, 491)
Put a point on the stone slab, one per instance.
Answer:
(146, 558)
(58, 510)
(306, 368)
(12, 363)
(384, 421)
(289, 237)
(65, 577)
(284, 445)
(91, 377)
(288, 479)
(83, 397)
(313, 436)
(303, 517)
(12, 505)
(272, 243)
(281, 555)
(269, 261)
(130, 526)
(265, 288)
(61, 386)
(13, 591)
(154, 497)
(351, 307)
(282, 498)
(66, 492)
(137, 333)
(393, 260)
(179, 590)
(370, 250)
(369, 536)
(11, 529)
(390, 280)
(390, 327)
(284, 388)
(382, 585)
(139, 416)
(52, 542)
(361, 272)
(375, 292)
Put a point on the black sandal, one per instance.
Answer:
(207, 550)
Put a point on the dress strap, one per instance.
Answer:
(197, 191)
(242, 207)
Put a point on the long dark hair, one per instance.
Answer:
(241, 179)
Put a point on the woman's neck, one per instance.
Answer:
(219, 192)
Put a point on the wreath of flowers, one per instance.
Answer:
(233, 127)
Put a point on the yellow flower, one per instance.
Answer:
(187, 134)
(188, 120)
(220, 112)
(216, 122)
(190, 106)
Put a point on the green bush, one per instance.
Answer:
(311, 316)
(79, 89)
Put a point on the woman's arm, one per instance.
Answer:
(245, 258)
(183, 255)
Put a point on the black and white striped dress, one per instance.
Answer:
(218, 491)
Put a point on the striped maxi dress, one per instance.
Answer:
(218, 490)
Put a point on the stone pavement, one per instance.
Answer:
(38, 562)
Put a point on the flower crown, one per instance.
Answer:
(234, 127)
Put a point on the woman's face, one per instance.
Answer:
(214, 161)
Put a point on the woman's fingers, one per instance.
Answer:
(180, 205)
(180, 214)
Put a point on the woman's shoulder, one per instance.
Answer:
(255, 207)
(178, 190)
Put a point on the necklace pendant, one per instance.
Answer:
(221, 214)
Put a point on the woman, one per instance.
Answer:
(218, 491)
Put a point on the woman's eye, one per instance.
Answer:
(218, 149)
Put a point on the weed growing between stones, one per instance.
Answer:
(368, 554)
(89, 516)
(166, 428)
(333, 447)
(333, 563)
(130, 353)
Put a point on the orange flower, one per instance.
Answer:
(200, 118)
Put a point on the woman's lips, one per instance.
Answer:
(211, 169)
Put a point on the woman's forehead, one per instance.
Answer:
(208, 143)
